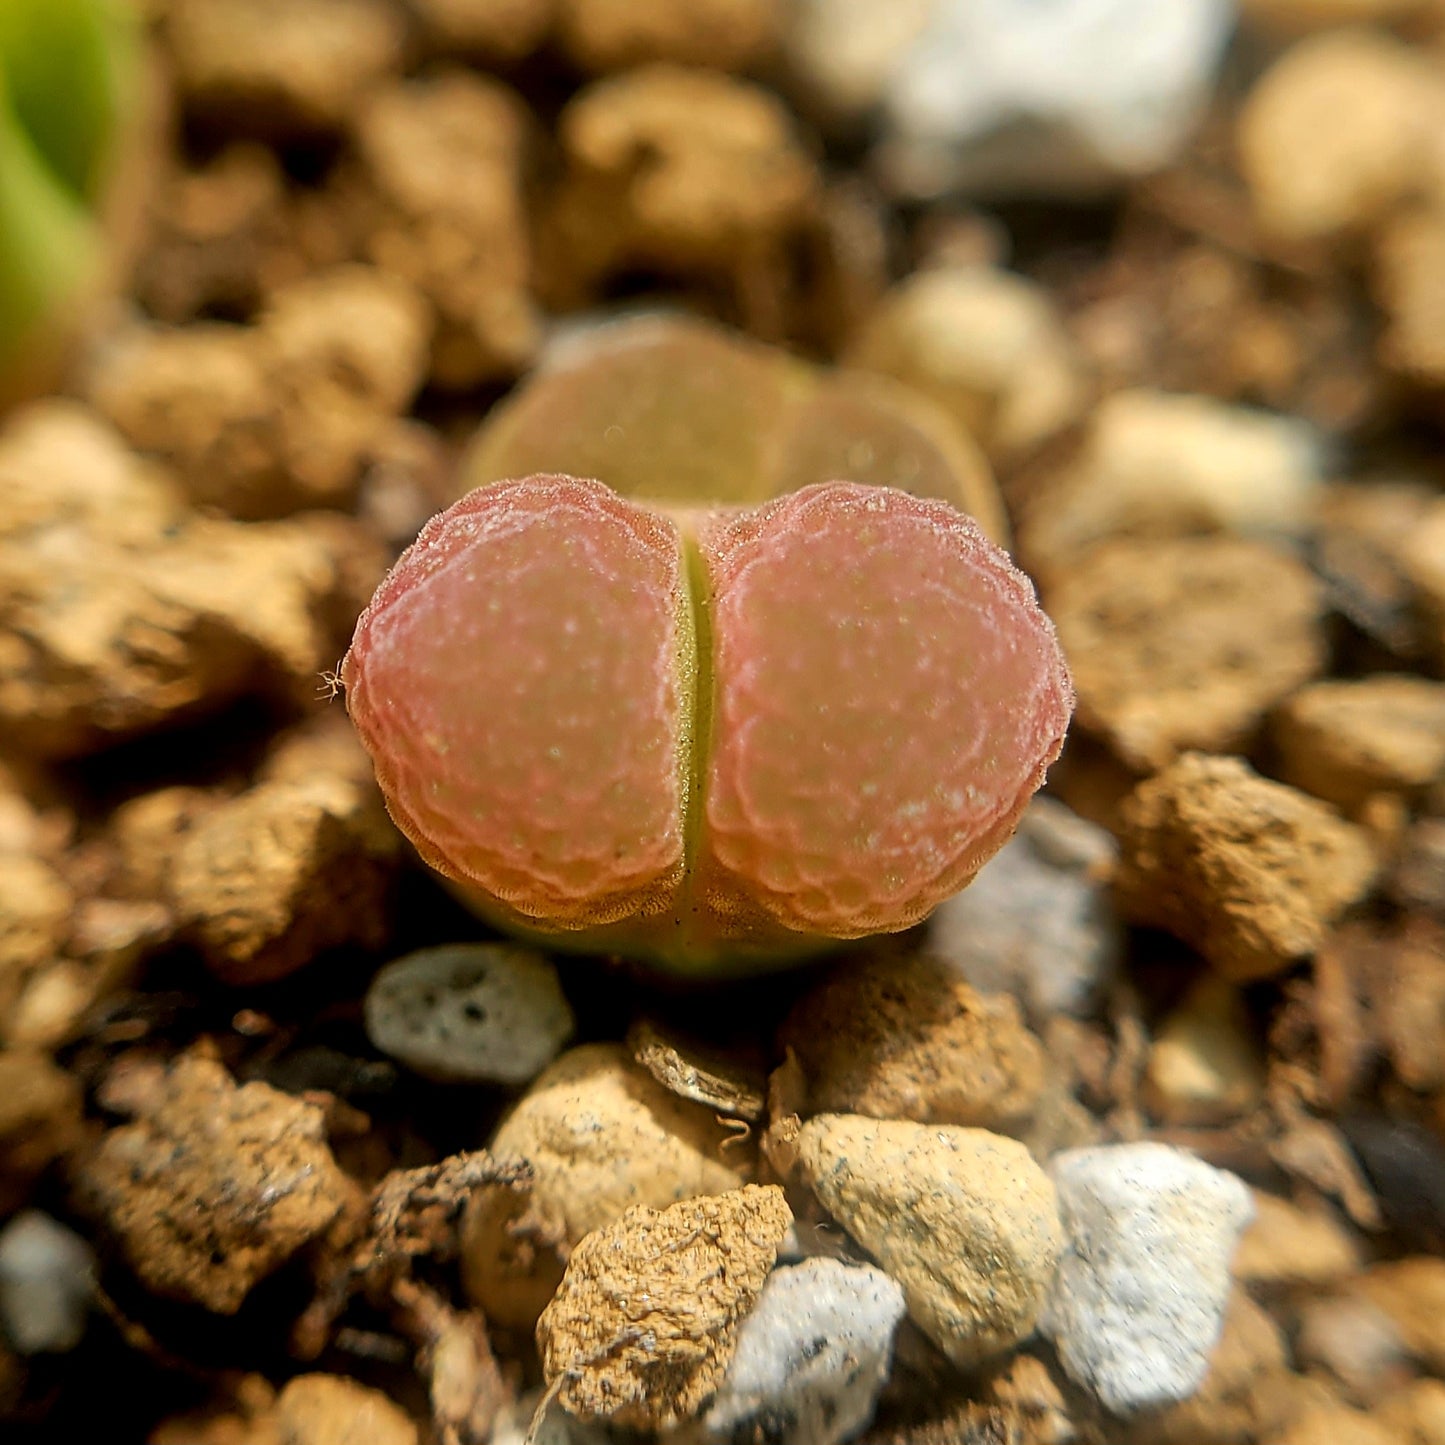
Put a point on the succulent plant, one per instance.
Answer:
(718, 738)
(70, 92)
(676, 409)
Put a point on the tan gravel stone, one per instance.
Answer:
(645, 1322)
(906, 1038)
(1411, 1293)
(963, 1219)
(1362, 546)
(1185, 643)
(261, 421)
(40, 1114)
(615, 34)
(1423, 557)
(601, 1135)
(213, 1187)
(265, 882)
(1155, 463)
(986, 345)
(1205, 1065)
(1343, 741)
(1288, 1244)
(1417, 1413)
(439, 203)
(35, 908)
(331, 1410)
(1401, 976)
(283, 65)
(120, 610)
(501, 30)
(1301, 16)
(1409, 261)
(1336, 1425)
(1250, 872)
(725, 180)
(1341, 128)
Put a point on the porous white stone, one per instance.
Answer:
(811, 1356)
(47, 1278)
(470, 1012)
(1138, 1301)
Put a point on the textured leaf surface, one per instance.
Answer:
(715, 738)
(522, 681)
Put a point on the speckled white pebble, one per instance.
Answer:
(1138, 1302)
(470, 1012)
(811, 1356)
(47, 1278)
(1014, 95)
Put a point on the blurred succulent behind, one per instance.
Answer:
(70, 89)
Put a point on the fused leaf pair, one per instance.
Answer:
(713, 737)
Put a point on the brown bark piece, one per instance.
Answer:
(214, 1186)
(645, 1321)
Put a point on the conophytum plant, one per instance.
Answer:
(716, 738)
(70, 90)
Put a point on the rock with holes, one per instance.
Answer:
(470, 1012)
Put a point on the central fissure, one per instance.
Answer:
(699, 720)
